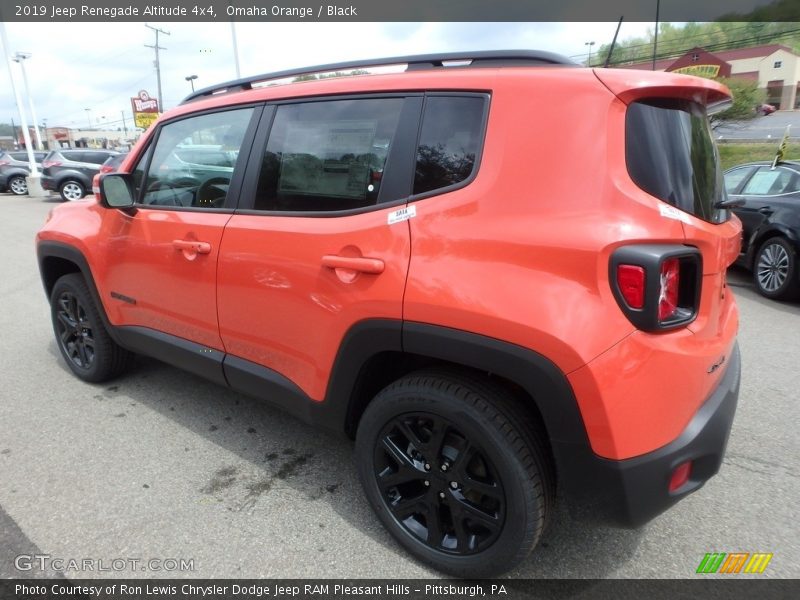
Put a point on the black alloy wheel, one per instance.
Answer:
(455, 469)
(438, 484)
(82, 338)
(74, 331)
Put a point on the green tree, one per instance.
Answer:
(746, 97)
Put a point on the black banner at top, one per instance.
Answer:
(397, 10)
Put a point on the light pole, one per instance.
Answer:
(20, 57)
(89, 116)
(589, 60)
(190, 79)
(25, 133)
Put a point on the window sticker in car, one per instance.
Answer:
(328, 157)
(402, 214)
(671, 212)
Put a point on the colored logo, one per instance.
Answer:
(735, 562)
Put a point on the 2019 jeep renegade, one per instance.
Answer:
(496, 302)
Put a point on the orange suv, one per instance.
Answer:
(499, 304)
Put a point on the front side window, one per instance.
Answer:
(193, 160)
(327, 156)
(449, 141)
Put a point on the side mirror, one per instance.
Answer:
(115, 190)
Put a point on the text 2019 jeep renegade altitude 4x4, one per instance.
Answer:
(495, 301)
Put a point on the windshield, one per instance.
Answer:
(670, 154)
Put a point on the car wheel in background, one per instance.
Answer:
(71, 190)
(18, 185)
(775, 270)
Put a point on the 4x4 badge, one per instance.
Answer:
(402, 214)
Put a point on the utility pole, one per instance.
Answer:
(158, 63)
(655, 42)
(20, 57)
(124, 124)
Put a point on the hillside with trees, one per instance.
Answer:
(674, 40)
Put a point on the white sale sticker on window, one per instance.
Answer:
(673, 213)
(402, 214)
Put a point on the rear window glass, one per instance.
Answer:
(670, 154)
(449, 141)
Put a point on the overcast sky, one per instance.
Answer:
(75, 66)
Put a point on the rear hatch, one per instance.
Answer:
(671, 155)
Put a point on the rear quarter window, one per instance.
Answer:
(670, 155)
(450, 141)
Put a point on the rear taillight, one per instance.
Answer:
(657, 286)
(4, 163)
(669, 283)
(630, 279)
(51, 163)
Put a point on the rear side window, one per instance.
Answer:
(670, 154)
(327, 156)
(75, 156)
(449, 142)
(97, 158)
(771, 182)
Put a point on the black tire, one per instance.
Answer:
(71, 190)
(81, 337)
(775, 270)
(17, 185)
(482, 514)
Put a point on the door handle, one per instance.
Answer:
(765, 210)
(192, 246)
(360, 264)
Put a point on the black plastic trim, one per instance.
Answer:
(651, 257)
(629, 493)
(536, 374)
(50, 249)
(189, 356)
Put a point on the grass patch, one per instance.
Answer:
(732, 154)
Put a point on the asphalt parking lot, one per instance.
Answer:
(161, 464)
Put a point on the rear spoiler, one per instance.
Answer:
(630, 84)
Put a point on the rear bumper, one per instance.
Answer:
(630, 492)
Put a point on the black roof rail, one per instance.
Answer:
(489, 58)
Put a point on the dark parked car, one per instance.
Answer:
(112, 163)
(14, 169)
(70, 172)
(770, 219)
